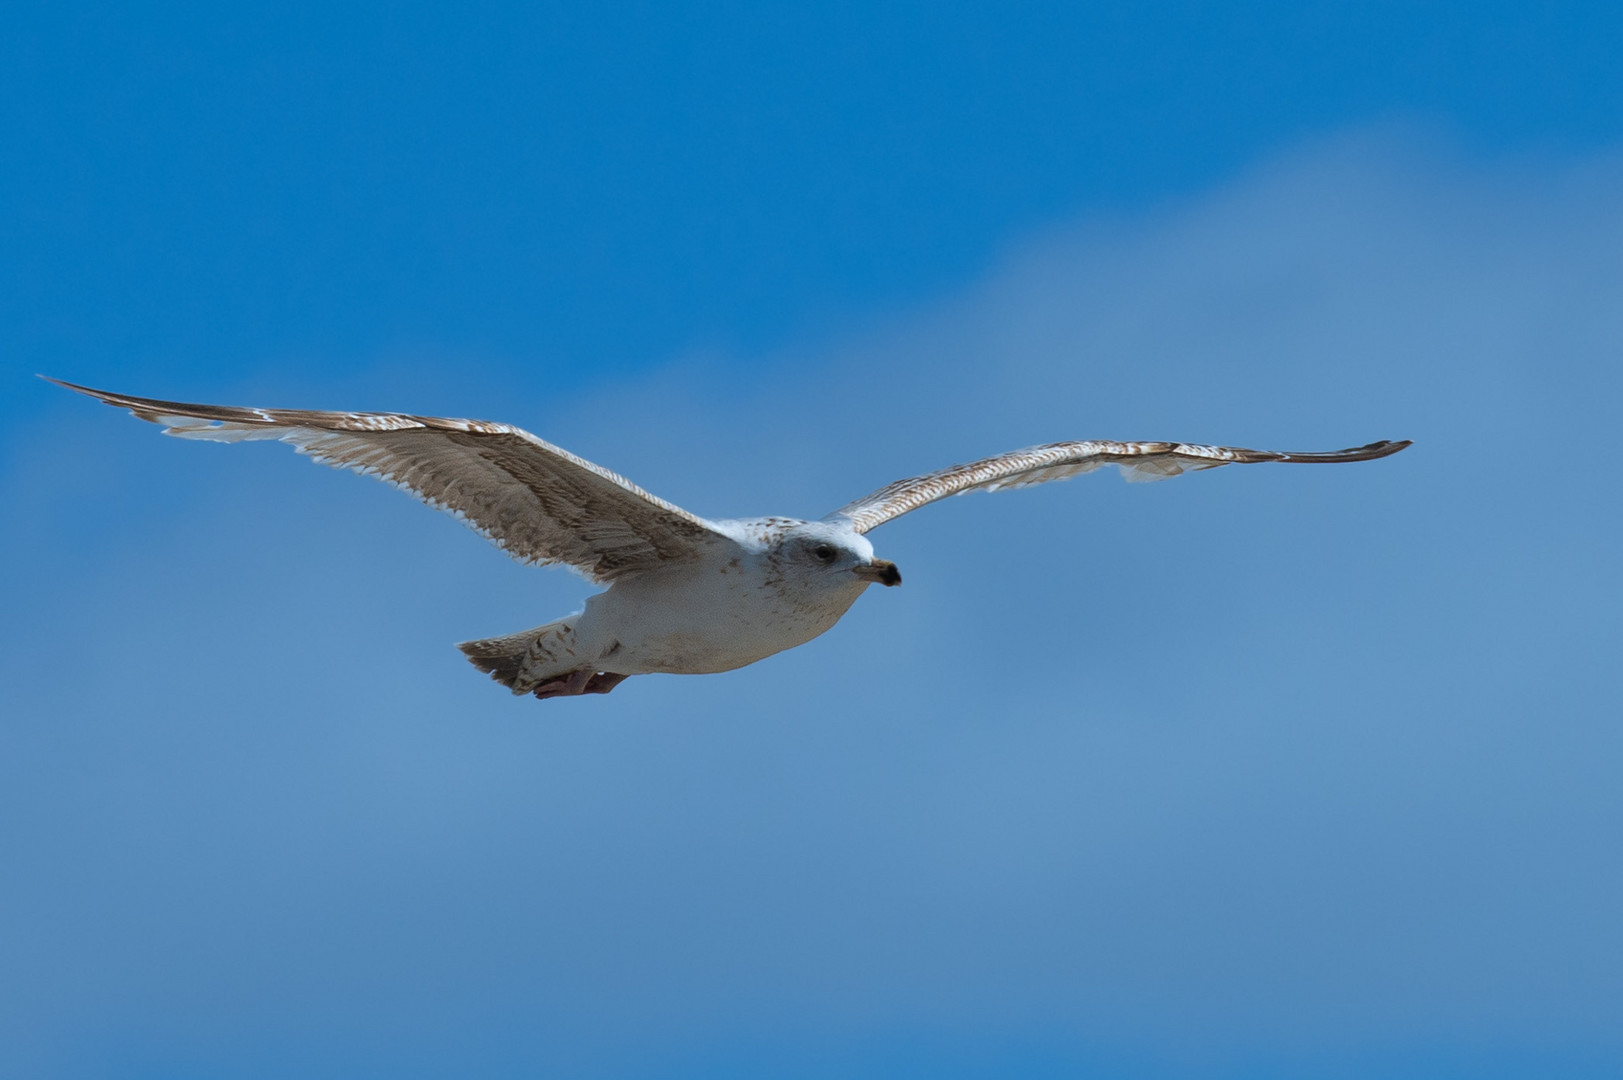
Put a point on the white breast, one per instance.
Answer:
(714, 615)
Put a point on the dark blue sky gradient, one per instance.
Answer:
(1272, 772)
(561, 187)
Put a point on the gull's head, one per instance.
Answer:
(832, 551)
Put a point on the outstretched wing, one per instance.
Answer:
(537, 502)
(1061, 461)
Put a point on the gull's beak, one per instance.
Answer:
(881, 570)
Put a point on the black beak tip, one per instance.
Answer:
(880, 571)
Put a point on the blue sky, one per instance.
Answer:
(1259, 773)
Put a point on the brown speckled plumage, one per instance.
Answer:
(1061, 461)
(538, 502)
(686, 595)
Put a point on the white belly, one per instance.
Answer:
(705, 617)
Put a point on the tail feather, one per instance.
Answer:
(504, 658)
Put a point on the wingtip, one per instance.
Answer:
(75, 387)
(1368, 452)
(149, 409)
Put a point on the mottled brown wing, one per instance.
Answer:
(1061, 461)
(537, 502)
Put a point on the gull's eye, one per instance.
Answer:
(824, 553)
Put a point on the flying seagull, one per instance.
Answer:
(685, 595)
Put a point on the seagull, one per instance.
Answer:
(686, 595)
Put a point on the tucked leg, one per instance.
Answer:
(575, 683)
(569, 684)
(603, 682)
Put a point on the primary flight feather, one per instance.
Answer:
(686, 595)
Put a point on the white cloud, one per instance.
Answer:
(1322, 751)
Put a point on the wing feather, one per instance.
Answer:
(538, 502)
(1138, 461)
